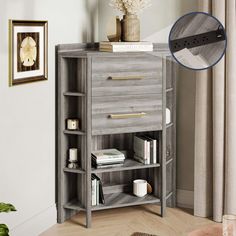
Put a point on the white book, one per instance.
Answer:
(107, 154)
(124, 43)
(94, 200)
(126, 46)
(153, 150)
(97, 192)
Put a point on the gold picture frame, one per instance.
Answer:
(28, 51)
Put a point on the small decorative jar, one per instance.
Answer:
(130, 28)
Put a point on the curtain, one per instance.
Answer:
(215, 124)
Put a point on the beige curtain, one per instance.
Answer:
(215, 124)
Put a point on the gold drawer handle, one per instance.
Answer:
(127, 116)
(131, 77)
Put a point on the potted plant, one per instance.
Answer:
(5, 207)
(130, 22)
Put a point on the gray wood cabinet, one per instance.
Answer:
(98, 88)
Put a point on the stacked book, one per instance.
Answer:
(145, 149)
(97, 192)
(125, 46)
(107, 158)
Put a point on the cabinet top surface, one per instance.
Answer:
(91, 50)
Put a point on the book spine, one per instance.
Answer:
(148, 152)
(97, 192)
(151, 151)
(154, 151)
(130, 48)
(94, 192)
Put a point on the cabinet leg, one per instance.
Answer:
(88, 219)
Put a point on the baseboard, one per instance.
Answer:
(37, 224)
(185, 198)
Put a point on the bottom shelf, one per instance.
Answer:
(116, 200)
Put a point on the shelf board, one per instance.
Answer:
(74, 132)
(77, 171)
(169, 89)
(169, 125)
(74, 205)
(74, 94)
(116, 200)
(129, 164)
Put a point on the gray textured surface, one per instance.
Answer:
(77, 81)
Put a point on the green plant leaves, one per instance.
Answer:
(4, 230)
(6, 207)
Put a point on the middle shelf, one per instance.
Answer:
(129, 164)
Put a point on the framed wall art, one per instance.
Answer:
(28, 51)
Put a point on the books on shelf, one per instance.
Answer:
(145, 149)
(107, 46)
(107, 158)
(97, 191)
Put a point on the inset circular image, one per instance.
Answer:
(197, 40)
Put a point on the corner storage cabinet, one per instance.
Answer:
(114, 96)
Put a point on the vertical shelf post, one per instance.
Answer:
(163, 138)
(88, 142)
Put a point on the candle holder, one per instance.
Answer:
(72, 124)
(73, 158)
(73, 165)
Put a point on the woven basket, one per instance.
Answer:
(130, 28)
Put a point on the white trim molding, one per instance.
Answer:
(185, 198)
(37, 224)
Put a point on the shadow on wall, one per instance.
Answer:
(91, 7)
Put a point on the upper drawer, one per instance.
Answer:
(113, 76)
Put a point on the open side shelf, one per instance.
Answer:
(76, 171)
(73, 132)
(74, 94)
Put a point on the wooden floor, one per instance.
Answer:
(126, 221)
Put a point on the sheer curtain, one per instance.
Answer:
(215, 124)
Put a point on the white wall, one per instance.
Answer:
(27, 120)
(156, 23)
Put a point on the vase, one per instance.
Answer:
(130, 28)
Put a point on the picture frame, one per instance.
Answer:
(28, 51)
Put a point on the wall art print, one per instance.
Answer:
(28, 51)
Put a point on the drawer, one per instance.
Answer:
(113, 76)
(124, 114)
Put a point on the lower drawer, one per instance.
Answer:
(125, 114)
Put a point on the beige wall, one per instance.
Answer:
(27, 120)
(156, 23)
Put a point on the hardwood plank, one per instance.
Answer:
(126, 221)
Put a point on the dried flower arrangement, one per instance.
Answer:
(130, 6)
